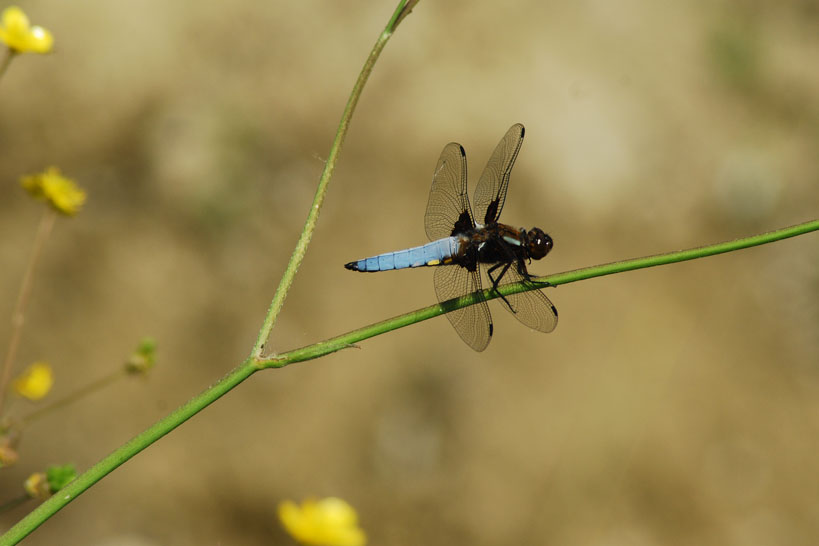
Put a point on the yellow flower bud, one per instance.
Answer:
(37, 486)
(20, 36)
(35, 382)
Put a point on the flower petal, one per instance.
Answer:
(35, 382)
(61, 192)
(15, 19)
(40, 40)
(327, 522)
(17, 33)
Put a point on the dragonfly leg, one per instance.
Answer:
(528, 276)
(496, 281)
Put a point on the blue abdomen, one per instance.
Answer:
(429, 254)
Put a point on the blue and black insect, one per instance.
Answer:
(461, 246)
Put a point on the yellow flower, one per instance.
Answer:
(16, 32)
(61, 192)
(37, 486)
(326, 522)
(35, 382)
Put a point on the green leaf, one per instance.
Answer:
(59, 476)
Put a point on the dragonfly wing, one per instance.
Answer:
(448, 210)
(532, 308)
(473, 323)
(490, 193)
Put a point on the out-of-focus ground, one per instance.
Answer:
(674, 406)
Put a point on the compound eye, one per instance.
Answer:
(539, 243)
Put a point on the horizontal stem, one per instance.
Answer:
(247, 368)
(349, 339)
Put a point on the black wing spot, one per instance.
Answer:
(554, 310)
(463, 224)
(491, 212)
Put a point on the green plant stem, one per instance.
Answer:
(247, 368)
(71, 491)
(251, 365)
(57, 501)
(18, 316)
(312, 217)
(349, 339)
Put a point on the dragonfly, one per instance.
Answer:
(465, 244)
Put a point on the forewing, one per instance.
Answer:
(448, 209)
(532, 308)
(491, 191)
(473, 323)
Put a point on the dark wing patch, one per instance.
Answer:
(490, 193)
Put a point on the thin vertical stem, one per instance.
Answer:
(4, 64)
(125, 452)
(18, 315)
(312, 217)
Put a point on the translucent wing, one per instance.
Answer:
(473, 323)
(448, 209)
(531, 308)
(491, 191)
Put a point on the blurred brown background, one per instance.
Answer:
(677, 405)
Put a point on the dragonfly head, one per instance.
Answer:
(539, 243)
